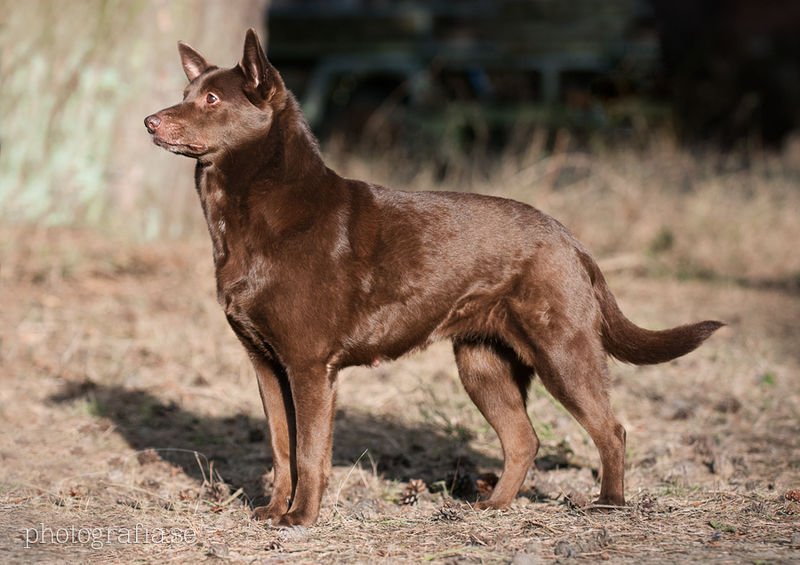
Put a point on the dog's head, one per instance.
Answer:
(221, 108)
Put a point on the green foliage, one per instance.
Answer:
(94, 407)
(723, 527)
(677, 488)
(663, 241)
(768, 379)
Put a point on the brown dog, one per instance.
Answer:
(317, 272)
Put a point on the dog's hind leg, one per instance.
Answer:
(497, 382)
(276, 396)
(574, 371)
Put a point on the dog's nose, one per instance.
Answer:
(152, 123)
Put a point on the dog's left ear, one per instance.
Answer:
(263, 81)
(194, 64)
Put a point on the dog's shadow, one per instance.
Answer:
(238, 446)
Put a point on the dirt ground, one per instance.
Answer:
(132, 431)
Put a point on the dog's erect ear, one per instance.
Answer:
(262, 78)
(194, 64)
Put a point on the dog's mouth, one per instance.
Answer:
(188, 149)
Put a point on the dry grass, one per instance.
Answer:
(126, 399)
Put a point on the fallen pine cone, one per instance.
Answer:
(148, 457)
(450, 512)
(412, 491)
(644, 506)
(275, 546)
(792, 496)
(486, 484)
(218, 550)
(576, 500)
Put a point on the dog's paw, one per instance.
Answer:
(607, 504)
(264, 513)
(491, 505)
(292, 520)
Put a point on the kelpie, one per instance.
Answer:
(317, 272)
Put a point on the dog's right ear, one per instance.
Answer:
(194, 64)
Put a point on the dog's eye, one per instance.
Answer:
(211, 99)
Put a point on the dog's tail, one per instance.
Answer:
(628, 342)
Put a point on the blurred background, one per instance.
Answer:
(465, 94)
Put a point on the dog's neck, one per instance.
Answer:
(256, 185)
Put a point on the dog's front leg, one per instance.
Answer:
(314, 396)
(276, 396)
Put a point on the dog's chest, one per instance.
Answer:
(224, 226)
(244, 290)
(214, 200)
